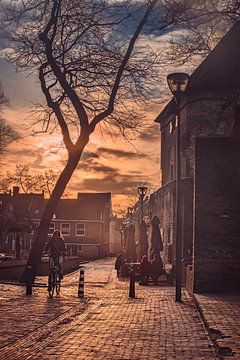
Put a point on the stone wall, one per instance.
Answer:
(216, 247)
(162, 204)
(189, 279)
(203, 115)
(13, 269)
(206, 116)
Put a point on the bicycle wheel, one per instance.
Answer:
(51, 284)
(58, 284)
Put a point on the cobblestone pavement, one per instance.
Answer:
(21, 314)
(107, 325)
(222, 318)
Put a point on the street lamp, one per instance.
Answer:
(130, 213)
(142, 191)
(178, 83)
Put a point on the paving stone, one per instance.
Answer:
(221, 314)
(107, 326)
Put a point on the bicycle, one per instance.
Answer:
(54, 279)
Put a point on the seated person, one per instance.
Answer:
(156, 268)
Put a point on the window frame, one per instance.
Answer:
(35, 226)
(54, 228)
(61, 228)
(84, 229)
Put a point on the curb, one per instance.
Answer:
(215, 335)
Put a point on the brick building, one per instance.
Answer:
(210, 166)
(84, 222)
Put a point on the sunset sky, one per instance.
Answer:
(109, 164)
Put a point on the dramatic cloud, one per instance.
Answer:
(150, 134)
(115, 184)
(93, 166)
(119, 153)
(106, 165)
(89, 155)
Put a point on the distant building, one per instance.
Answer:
(116, 242)
(210, 163)
(84, 222)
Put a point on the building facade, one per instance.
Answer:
(84, 223)
(209, 137)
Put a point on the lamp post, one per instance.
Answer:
(142, 191)
(177, 83)
(130, 213)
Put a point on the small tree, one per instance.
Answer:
(90, 70)
(29, 182)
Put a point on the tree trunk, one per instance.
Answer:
(35, 256)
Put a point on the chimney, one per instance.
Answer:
(15, 190)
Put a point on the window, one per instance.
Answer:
(35, 226)
(80, 229)
(169, 235)
(188, 167)
(171, 172)
(236, 129)
(51, 228)
(65, 229)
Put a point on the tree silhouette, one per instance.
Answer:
(89, 73)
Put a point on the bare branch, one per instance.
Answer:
(121, 69)
(82, 115)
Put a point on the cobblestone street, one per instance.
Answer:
(106, 325)
(120, 180)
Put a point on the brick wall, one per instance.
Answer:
(216, 247)
(162, 204)
(206, 115)
(203, 115)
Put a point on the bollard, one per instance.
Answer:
(81, 284)
(132, 284)
(29, 281)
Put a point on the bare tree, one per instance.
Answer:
(132, 196)
(88, 72)
(205, 23)
(28, 181)
(7, 134)
(4, 185)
